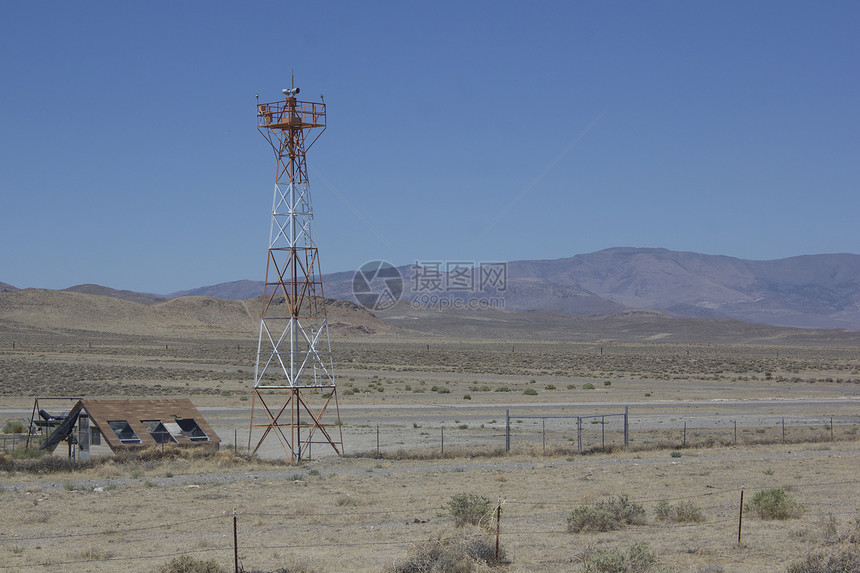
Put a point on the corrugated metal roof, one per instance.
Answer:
(136, 412)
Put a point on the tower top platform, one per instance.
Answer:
(290, 114)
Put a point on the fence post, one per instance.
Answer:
(741, 516)
(602, 432)
(543, 433)
(579, 433)
(377, 440)
(498, 525)
(443, 440)
(626, 427)
(685, 435)
(831, 428)
(736, 431)
(783, 430)
(235, 544)
(507, 431)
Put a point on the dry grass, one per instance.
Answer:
(403, 454)
(381, 509)
(92, 363)
(141, 462)
(93, 553)
(371, 514)
(835, 554)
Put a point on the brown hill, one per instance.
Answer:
(206, 317)
(42, 309)
(123, 294)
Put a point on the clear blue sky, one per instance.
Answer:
(458, 131)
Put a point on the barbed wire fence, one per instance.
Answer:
(238, 531)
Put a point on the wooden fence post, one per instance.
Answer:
(579, 433)
(507, 431)
(498, 525)
(603, 432)
(741, 516)
(626, 427)
(543, 433)
(235, 544)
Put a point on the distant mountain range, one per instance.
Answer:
(812, 291)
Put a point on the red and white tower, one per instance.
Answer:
(293, 378)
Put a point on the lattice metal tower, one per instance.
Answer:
(293, 377)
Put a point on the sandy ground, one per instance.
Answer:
(363, 514)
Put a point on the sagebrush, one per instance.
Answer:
(612, 513)
(452, 554)
(684, 512)
(470, 508)
(774, 503)
(635, 558)
(187, 564)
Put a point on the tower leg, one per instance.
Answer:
(297, 444)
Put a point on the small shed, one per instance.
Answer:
(132, 424)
